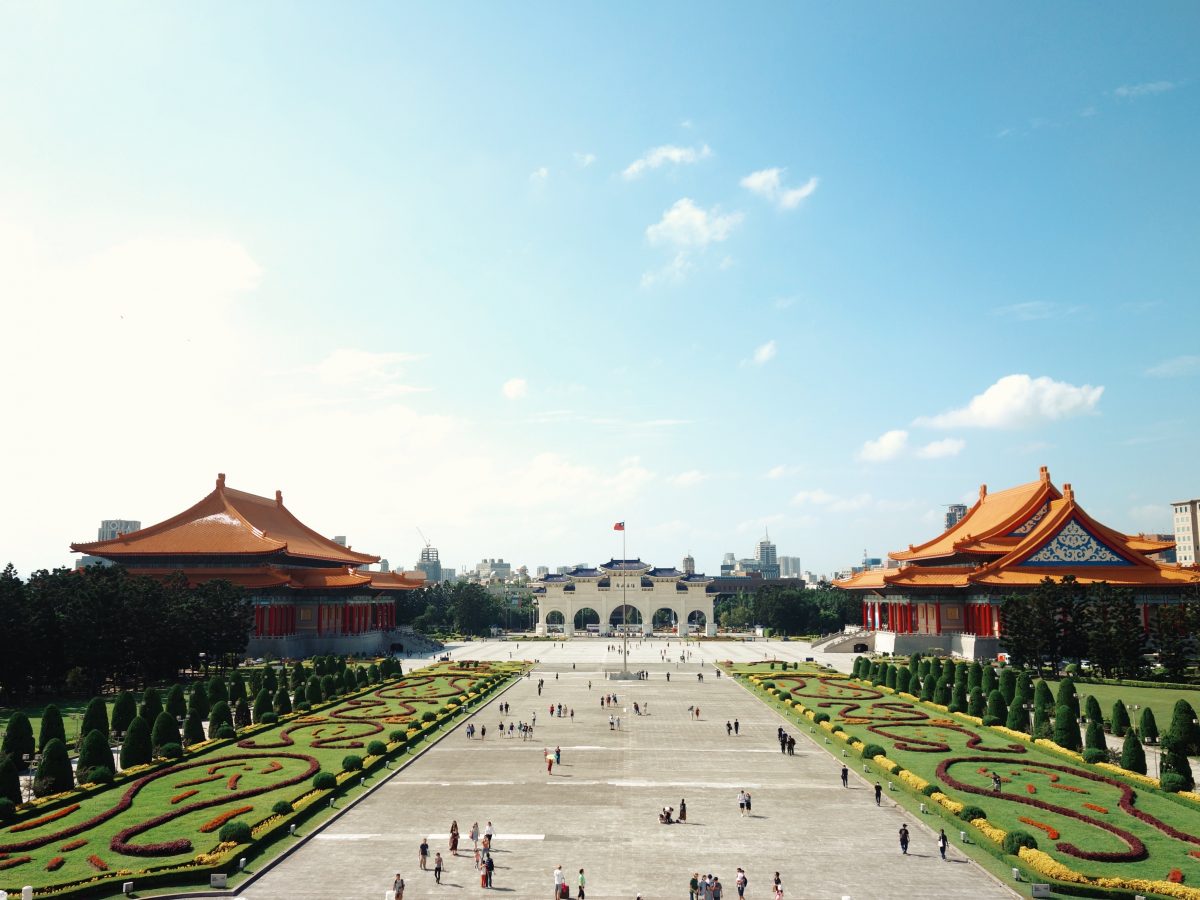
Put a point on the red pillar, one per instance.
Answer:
(909, 611)
(1146, 617)
(937, 611)
(866, 611)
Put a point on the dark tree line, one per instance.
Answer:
(790, 610)
(75, 631)
(1064, 621)
(459, 606)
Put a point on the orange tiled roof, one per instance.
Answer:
(866, 580)
(228, 522)
(1144, 544)
(397, 581)
(990, 524)
(251, 577)
(326, 579)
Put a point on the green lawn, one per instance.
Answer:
(1161, 700)
(72, 713)
(291, 751)
(919, 738)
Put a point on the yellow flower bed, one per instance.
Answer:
(996, 834)
(1125, 773)
(885, 689)
(857, 744)
(1009, 732)
(974, 720)
(944, 709)
(953, 805)
(841, 735)
(916, 782)
(1050, 867)
(306, 799)
(1055, 748)
(214, 857)
(262, 827)
(887, 764)
(1044, 864)
(827, 725)
(907, 696)
(1189, 795)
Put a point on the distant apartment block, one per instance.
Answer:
(1187, 531)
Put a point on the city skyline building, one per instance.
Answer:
(689, 564)
(430, 563)
(955, 512)
(1187, 531)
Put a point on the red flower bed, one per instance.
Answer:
(1099, 809)
(212, 770)
(14, 862)
(72, 845)
(1051, 831)
(1194, 853)
(233, 781)
(1030, 789)
(49, 817)
(205, 780)
(98, 863)
(1175, 876)
(55, 864)
(918, 744)
(1071, 788)
(179, 798)
(272, 767)
(217, 821)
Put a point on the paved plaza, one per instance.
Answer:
(599, 809)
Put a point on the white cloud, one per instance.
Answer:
(1036, 310)
(690, 478)
(1144, 89)
(687, 225)
(672, 273)
(887, 446)
(668, 153)
(1176, 367)
(539, 175)
(768, 183)
(1018, 401)
(515, 388)
(831, 502)
(941, 449)
(583, 160)
(782, 471)
(376, 374)
(765, 353)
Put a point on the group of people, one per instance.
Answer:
(560, 710)
(667, 816)
(562, 889)
(734, 727)
(787, 743)
(709, 887)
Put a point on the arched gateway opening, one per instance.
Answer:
(629, 617)
(587, 619)
(555, 621)
(664, 619)
(697, 621)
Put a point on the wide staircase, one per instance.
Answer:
(844, 642)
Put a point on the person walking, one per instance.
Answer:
(437, 868)
(558, 756)
(736, 726)
(748, 803)
(728, 728)
(694, 887)
(845, 777)
(778, 885)
(682, 810)
(490, 834)
(741, 881)
(742, 804)
(878, 794)
(942, 842)
(904, 839)
(398, 887)
(582, 882)
(423, 853)
(454, 837)
(473, 834)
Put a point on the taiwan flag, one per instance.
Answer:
(620, 526)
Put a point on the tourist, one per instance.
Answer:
(437, 868)
(728, 729)
(682, 810)
(904, 839)
(398, 887)
(482, 732)
(748, 807)
(735, 726)
(741, 881)
(489, 868)
(791, 745)
(716, 888)
(778, 884)
(423, 853)
(582, 883)
(560, 882)
(558, 756)
(454, 837)
(488, 834)
(611, 722)
(941, 842)
(473, 834)
(572, 714)
(694, 887)
(878, 794)
(742, 804)
(996, 782)
(618, 723)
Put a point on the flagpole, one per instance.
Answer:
(624, 609)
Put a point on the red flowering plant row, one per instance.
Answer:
(217, 821)
(30, 824)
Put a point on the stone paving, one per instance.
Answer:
(599, 809)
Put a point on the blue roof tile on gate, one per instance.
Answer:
(584, 573)
(669, 572)
(624, 565)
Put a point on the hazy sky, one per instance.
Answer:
(513, 272)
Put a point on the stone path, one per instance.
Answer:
(599, 809)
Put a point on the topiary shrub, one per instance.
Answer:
(164, 731)
(1173, 782)
(767, 685)
(1015, 840)
(235, 833)
(10, 782)
(96, 775)
(282, 808)
(820, 717)
(124, 709)
(324, 781)
(428, 716)
(992, 720)
(352, 763)
(970, 813)
(136, 749)
(930, 789)
(1133, 757)
(94, 751)
(870, 751)
(397, 735)
(8, 810)
(269, 718)
(151, 705)
(226, 732)
(783, 695)
(376, 748)
(1095, 755)
(218, 717)
(176, 702)
(1066, 729)
(1147, 727)
(170, 751)
(1120, 719)
(51, 728)
(54, 774)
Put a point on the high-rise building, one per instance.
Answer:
(1187, 531)
(789, 567)
(111, 529)
(430, 564)
(543, 571)
(688, 566)
(955, 513)
(493, 569)
(728, 564)
(766, 557)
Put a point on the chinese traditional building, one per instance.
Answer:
(623, 593)
(308, 591)
(946, 593)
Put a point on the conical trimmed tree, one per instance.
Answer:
(1173, 762)
(241, 714)
(975, 676)
(958, 698)
(199, 700)
(269, 683)
(283, 703)
(237, 687)
(176, 703)
(137, 749)
(889, 679)
(124, 712)
(10, 781)
(1091, 709)
(218, 716)
(1093, 738)
(997, 711)
(1066, 729)
(217, 690)
(1067, 697)
(988, 682)
(1120, 719)
(18, 739)
(95, 718)
(1184, 725)
(94, 753)
(941, 692)
(903, 678)
(1147, 727)
(1133, 757)
(52, 727)
(1018, 717)
(151, 705)
(1043, 706)
(193, 728)
(927, 686)
(1008, 683)
(313, 693)
(976, 706)
(1023, 692)
(165, 731)
(262, 705)
(299, 676)
(54, 775)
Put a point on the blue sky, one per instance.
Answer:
(511, 273)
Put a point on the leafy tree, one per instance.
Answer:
(262, 705)
(10, 781)
(1183, 724)
(283, 703)
(217, 690)
(18, 738)
(1066, 729)
(987, 682)
(137, 749)
(54, 775)
(199, 700)
(1173, 761)
(1173, 639)
(193, 728)
(176, 702)
(1133, 757)
(52, 727)
(165, 731)
(1067, 697)
(958, 699)
(94, 753)
(241, 714)
(1070, 601)
(1043, 704)
(1091, 709)
(996, 709)
(151, 705)
(95, 718)
(1120, 719)
(124, 712)
(1147, 727)
(219, 715)
(1114, 630)
(1008, 683)
(976, 704)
